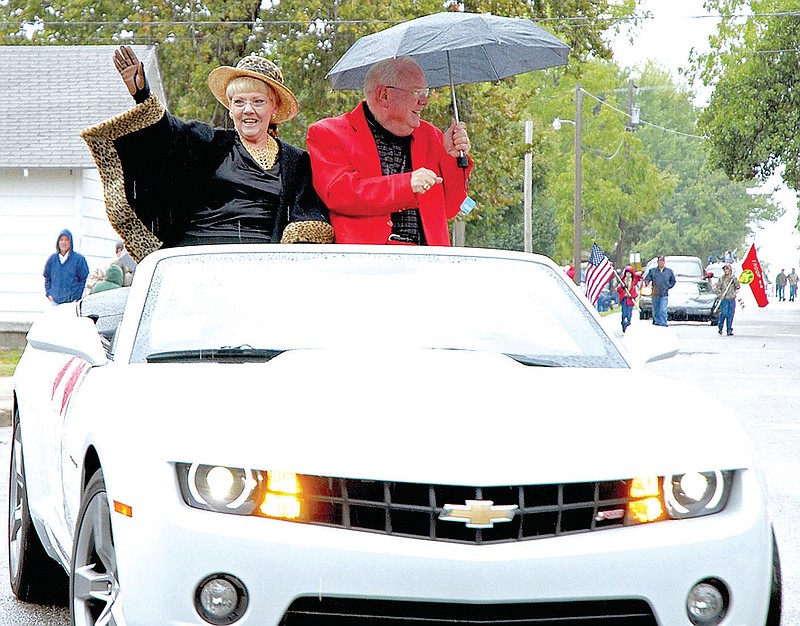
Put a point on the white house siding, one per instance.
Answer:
(98, 240)
(34, 208)
(62, 189)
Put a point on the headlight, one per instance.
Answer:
(697, 493)
(239, 491)
(217, 488)
(677, 496)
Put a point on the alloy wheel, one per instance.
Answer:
(96, 596)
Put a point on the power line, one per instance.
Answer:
(337, 22)
(641, 121)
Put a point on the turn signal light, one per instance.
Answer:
(281, 499)
(646, 510)
(123, 509)
(646, 504)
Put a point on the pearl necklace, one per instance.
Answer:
(266, 155)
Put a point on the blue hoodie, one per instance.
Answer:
(65, 281)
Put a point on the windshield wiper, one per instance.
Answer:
(520, 358)
(533, 361)
(226, 354)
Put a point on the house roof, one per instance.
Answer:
(48, 94)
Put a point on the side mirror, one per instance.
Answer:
(646, 343)
(63, 331)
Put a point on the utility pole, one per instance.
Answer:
(633, 110)
(578, 216)
(459, 233)
(630, 126)
(528, 190)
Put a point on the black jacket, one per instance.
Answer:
(158, 170)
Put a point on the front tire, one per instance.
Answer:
(34, 576)
(95, 594)
(776, 594)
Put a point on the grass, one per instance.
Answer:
(8, 360)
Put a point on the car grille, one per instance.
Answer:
(353, 612)
(413, 510)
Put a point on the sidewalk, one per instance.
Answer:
(5, 401)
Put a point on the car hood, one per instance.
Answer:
(449, 417)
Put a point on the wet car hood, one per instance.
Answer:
(434, 416)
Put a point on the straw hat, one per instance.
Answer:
(263, 70)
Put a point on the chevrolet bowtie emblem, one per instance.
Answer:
(478, 513)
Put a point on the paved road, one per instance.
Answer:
(757, 371)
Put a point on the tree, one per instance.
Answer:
(754, 112)
(494, 112)
(193, 38)
(707, 213)
(620, 186)
(306, 38)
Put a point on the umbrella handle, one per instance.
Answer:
(461, 160)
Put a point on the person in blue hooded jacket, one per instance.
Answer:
(65, 272)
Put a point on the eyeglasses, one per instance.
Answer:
(417, 93)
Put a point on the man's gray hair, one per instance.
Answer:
(387, 72)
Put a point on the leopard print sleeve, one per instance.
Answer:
(138, 239)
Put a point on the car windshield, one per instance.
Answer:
(681, 266)
(305, 300)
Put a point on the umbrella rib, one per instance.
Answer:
(489, 61)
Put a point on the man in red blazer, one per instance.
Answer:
(386, 175)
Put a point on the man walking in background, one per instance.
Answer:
(792, 279)
(663, 280)
(727, 287)
(780, 286)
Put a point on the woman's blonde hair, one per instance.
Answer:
(242, 84)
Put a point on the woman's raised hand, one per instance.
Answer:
(130, 68)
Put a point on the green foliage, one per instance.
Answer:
(754, 113)
(707, 213)
(648, 191)
(306, 38)
(492, 112)
(9, 357)
(620, 184)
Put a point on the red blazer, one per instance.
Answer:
(346, 173)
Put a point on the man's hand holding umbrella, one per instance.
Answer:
(456, 140)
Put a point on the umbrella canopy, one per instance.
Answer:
(454, 48)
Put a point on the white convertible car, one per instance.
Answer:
(371, 436)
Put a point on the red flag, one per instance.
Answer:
(753, 276)
(598, 273)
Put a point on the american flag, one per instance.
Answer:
(598, 273)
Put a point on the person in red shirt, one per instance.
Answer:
(627, 295)
(385, 174)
